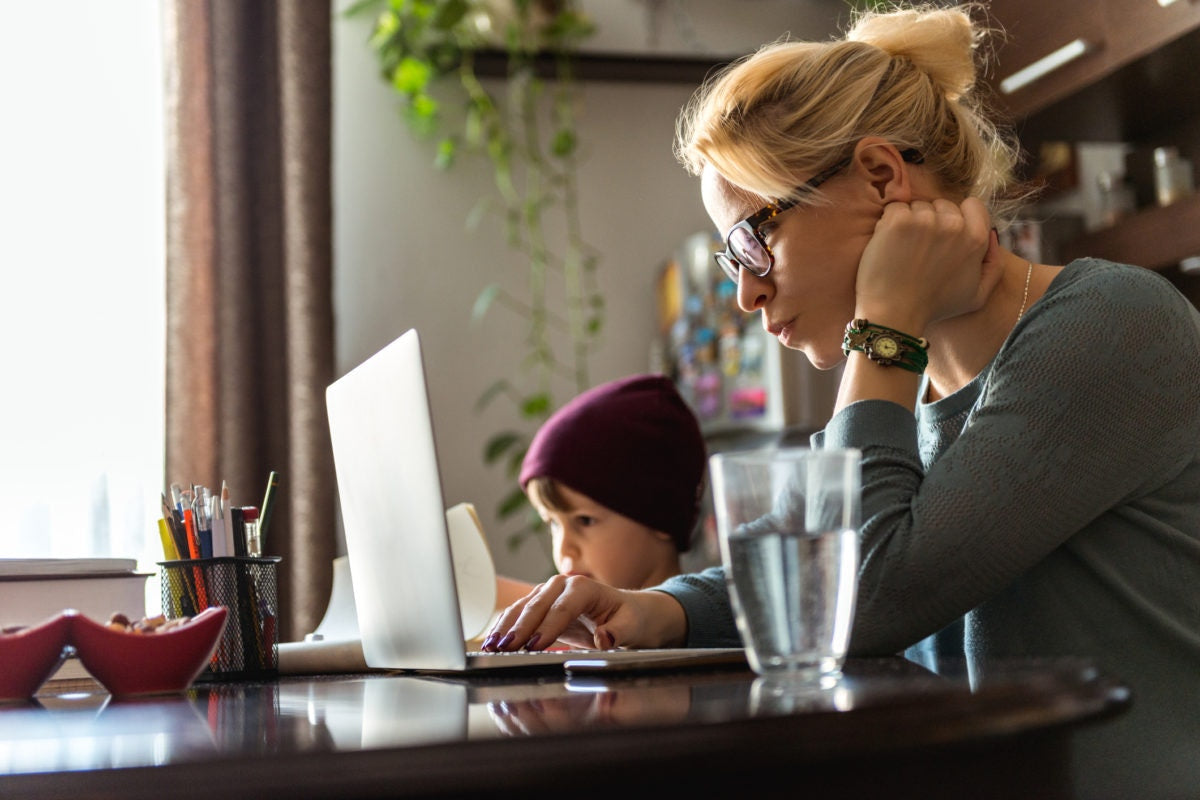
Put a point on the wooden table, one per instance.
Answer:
(888, 729)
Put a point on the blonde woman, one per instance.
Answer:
(1031, 433)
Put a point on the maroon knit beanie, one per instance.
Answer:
(632, 445)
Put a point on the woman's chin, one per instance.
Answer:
(821, 360)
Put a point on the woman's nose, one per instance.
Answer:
(751, 291)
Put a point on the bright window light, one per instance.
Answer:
(81, 279)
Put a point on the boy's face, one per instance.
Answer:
(593, 540)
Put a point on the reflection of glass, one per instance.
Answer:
(775, 694)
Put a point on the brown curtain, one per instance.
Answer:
(249, 262)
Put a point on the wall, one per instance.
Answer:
(404, 257)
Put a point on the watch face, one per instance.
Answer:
(885, 347)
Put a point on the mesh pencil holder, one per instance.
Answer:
(249, 647)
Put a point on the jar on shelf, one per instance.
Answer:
(1173, 178)
(1116, 197)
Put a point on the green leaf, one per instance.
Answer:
(512, 503)
(564, 143)
(484, 301)
(536, 405)
(473, 126)
(449, 14)
(411, 77)
(477, 212)
(490, 394)
(386, 27)
(569, 28)
(447, 149)
(515, 459)
(421, 115)
(360, 7)
(498, 444)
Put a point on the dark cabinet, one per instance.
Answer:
(1048, 52)
(1135, 81)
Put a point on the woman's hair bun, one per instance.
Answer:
(939, 41)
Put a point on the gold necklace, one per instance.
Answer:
(1025, 299)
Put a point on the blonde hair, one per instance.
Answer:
(792, 109)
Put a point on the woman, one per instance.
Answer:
(1030, 432)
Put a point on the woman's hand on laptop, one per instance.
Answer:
(581, 612)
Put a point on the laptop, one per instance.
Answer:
(397, 539)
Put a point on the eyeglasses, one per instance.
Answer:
(745, 246)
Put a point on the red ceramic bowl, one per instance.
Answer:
(30, 656)
(148, 663)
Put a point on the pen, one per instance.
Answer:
(175, 525)
(218, 528)
(203, 525)
(189, 525)
(268, 504)
(235, 523)
(168, 541)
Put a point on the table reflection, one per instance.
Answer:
(298, 716)
(94, 731)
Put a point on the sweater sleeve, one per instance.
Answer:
(705, 601)
(1089, 405)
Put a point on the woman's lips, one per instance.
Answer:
(779, 329)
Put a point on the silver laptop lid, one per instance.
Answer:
(393, 512)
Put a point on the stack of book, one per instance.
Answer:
(35, 589)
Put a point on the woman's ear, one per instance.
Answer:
(880, 163)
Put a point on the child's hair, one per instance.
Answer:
(793, 109)
(632, 445)
(546, 493)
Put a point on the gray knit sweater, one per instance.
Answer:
(1052, 504)
(1049, 507)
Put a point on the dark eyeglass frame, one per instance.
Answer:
(726, 259)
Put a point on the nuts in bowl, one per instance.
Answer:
(29, 655)
(148, 656)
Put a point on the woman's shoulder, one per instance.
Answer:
(1111, 300)
(1098, 274)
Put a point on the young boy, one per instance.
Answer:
(617, 474)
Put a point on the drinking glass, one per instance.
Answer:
(787, 521)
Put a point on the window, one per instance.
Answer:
(81, 279)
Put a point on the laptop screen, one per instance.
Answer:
(393, 511)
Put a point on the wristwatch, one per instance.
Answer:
(886, 346)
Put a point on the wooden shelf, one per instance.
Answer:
(610, 67)
(1157, 238)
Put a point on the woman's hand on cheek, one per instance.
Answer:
(925, 262)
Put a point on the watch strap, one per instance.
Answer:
(886, 346)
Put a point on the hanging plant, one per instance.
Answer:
(430, 52)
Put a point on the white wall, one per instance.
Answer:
(404, 257)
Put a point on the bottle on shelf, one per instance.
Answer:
(1173, 178)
